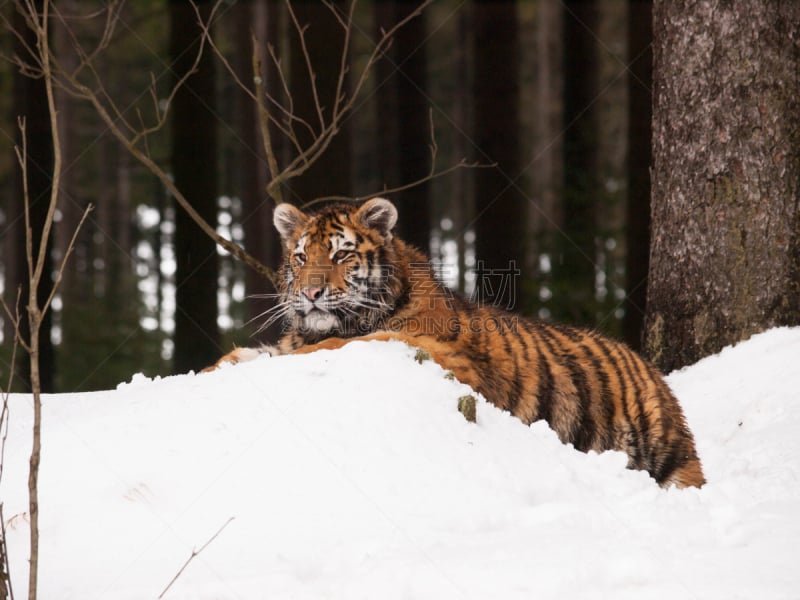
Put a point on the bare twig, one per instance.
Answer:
(312, 77)
(4, 413)
(6, 591)
(133, 137)
(342, 105)
(329, 121)
(274, 191)
(70, 249)
(288, 112)
(433, 146)
(462, 164)
(430, 176)
(193, 554)
(38, 22)
(35, 312)
(343, 65)
(260, 94)
(129, 136)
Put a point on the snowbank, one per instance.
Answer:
(350, 474)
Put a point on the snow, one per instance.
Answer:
(350, 474)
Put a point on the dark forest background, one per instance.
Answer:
(555, 95)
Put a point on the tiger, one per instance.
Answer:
(345, 276)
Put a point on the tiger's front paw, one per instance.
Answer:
(328, 344)
(238, 355)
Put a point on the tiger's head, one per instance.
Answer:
(337, 277)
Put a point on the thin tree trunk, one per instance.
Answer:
(547, 172)
(640, 97)
(575, 268)
(725, 255)
(36, 449)
(386, 99)
(30, 101)
(402, 96)
(260, 237)
(194, 144)
(330, 175)
(462, 201)
(500, 226)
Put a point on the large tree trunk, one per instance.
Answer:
(194, 166)
(501, 219)
(725, 256)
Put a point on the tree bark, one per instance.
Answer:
(194, 166)
(725, 255)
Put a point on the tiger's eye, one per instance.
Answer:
(341, 255)
(300, 258)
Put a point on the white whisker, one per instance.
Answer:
(263, 296)
(272, 314)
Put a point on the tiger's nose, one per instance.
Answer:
(312, 293)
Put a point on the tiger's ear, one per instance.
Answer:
(287, 219)
(379, 214)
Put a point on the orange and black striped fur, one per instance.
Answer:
(345, 276)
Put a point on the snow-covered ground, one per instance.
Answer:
(350, 474)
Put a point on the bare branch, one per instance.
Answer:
(343, 69)
(166, 180)
(274, 185)
(260, 92)
(44, 46)
(35, 315)
(14, 318)
(306, 158)
(288, 111)
(430, 176)
(130, 142)
(434, 147)
(15, 321)
(284, 118)
(161, 116)
(263, 114)
(219, 54)
(462, 164)
(22, 159)
(111, 19)
(36, 259)
(26, 68)
(380, 48)
(5, 572)
(301, 32)
(87, 62)
(344, 24)
(65, 258)
(191, 557)
(6, 591)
